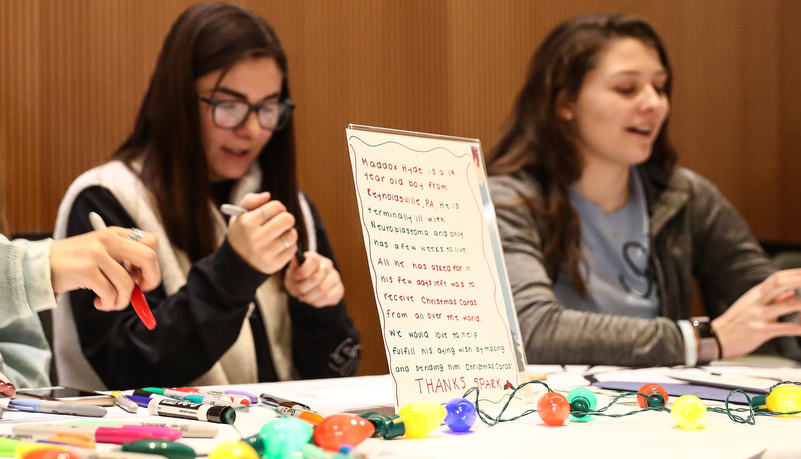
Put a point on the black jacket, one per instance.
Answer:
(197, 324)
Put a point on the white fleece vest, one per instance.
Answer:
(238, 365)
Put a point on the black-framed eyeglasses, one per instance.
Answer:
(232, 114)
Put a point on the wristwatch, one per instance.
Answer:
(708, 343)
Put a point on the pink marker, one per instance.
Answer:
(158, 432)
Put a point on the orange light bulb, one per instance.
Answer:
(553, 408)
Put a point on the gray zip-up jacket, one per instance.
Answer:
(695, 233)
(25, 289)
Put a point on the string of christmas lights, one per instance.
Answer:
(689, 411)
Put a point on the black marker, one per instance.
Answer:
(188, 410)
(299, 253)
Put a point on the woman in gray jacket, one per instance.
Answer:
(603, 234)
(31, 272)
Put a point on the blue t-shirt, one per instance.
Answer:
(620, 280)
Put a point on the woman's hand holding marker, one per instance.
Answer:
(264, 234)
(316, 281)
(268, 244)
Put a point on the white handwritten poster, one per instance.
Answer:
(436, 263)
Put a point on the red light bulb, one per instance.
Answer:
(553, 408)
(652, 396)
(339, 430)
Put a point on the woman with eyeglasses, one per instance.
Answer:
(235, 305)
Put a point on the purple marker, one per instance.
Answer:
(143, 401)
(253, 398)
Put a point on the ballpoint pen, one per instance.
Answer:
(137, 297)
(235, 211)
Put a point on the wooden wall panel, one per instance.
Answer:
(19, 96)
(789, 122)
(72, 75)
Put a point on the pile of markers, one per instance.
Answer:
(298, 431)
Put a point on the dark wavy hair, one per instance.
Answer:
(167, 134)
(542, 143)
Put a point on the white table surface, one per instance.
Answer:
(648, 434)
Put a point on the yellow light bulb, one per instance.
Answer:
(422, 417)
(233, 450)
(785, 399)
(688, 411)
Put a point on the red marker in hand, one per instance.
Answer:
(137, 297)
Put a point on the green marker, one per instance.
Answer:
(169, 449)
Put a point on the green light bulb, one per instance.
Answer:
(581, 401)
(282, 437)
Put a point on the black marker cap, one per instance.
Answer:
(221, 414)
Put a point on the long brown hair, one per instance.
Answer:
(167, 134)
(541, 143)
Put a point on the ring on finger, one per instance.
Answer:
(135, 234)
(286, 243)
(265, 214)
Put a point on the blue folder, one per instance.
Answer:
(677, 390)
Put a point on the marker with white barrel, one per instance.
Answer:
(187, 410)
